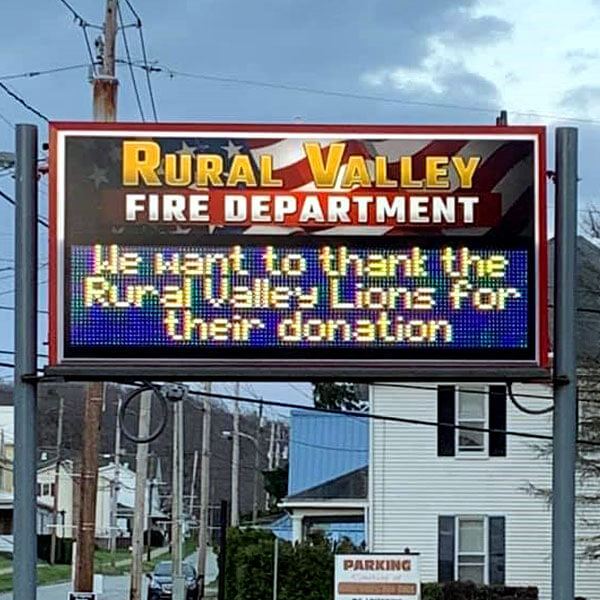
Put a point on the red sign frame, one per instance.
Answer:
(286, 369)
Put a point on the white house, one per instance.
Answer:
(463, 499)
(67, 501)
(125, 501)
(46, 489)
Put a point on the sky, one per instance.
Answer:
(388, 61)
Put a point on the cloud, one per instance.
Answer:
(441, 82)
(580, 60)
(582, 98)
(329, 42)
(478, 31)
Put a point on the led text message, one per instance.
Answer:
(320, 296)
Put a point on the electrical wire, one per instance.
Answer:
(13, 353)
(133, 80)
(84, 27)
(7, 121)
(524, 409)
(40, 220)
(12, 308)
(20, 100)
(29, 74)
(385, 418)
(146, 66)
(11, 291)
(463, 390)
(356, 96)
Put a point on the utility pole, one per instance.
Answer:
(193, 483)
(270, 459)
(26, 335)
(106, 82)
(105, 109)
(277, 444)
(222, 549)
(177, 502)
(115, 485)
(150, 504)
(256, 466)
(59, 429)
(88, 483)
(141, 474)
(204, 488)
(235, 461)
(565, 367)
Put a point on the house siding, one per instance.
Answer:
(411, 486)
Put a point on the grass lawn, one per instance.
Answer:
(104, 563)
(46, 574)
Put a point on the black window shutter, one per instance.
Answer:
(445, 414)
(445, 549)
(497, 550)
(497, 412)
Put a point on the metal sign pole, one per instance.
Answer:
(565, 367)
(26, 251)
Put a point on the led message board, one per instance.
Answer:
(286, 251)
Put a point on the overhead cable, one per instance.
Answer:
(23, 102)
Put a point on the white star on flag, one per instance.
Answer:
(185, 149)
(231, 149)
(98, 176)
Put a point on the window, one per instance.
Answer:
(45, 489)
(480, 407)
(471, 550)
(472, 413)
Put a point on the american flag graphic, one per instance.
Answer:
(506, 169)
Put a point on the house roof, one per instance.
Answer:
(350, 486)
(324, 447)
(7, 500)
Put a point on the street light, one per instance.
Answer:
(229, 436)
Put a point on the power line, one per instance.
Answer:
(146, 66)
(29, 74)
(20, 100)
(356, 96)
(12, 308)
(13, 353)
(376, 417)
(11, 201)
(7, 121)
(13, 289)
(84, 24)
(126, 44)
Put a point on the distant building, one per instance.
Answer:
(68, 500)
(47, 488)
(328, 475)
(44, 508)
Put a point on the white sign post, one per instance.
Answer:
(377, 577)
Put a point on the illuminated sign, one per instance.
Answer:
(309, 251)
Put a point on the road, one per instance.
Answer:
(115, 588)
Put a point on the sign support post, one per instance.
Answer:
(565, 367)
(26, 251)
